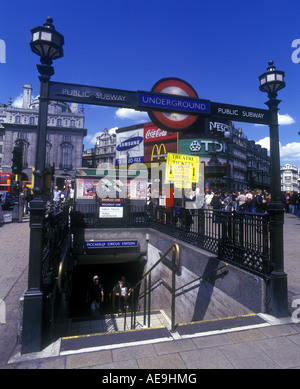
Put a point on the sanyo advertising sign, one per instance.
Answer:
(2, 51)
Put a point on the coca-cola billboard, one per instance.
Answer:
(154, 134)
(158, 143)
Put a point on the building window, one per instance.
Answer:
(22, 135)
(72, 123)
(66, 157)
(18, 119)
(48, 148)
(32, 120)
(59, 122)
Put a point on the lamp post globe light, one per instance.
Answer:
(271, 82)
(47, 43)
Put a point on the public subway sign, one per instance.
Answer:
(91, 95)
(172, 104)
(240, 113)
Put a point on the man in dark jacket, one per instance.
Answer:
(95, 295)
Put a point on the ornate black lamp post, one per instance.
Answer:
(227, 135)
(271, 82)
(47, 43)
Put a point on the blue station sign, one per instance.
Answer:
(165, 102)
(111, 244)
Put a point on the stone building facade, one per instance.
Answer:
(290, 178)
(104, 152)
(65, 133)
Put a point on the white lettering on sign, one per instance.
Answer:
(253, 114)
(197, 147)
(75, 92)
(227, 111)
(98, 95)
(155, 133)
(236, 112)
(222, 127)
(111, 97)
(173, 103)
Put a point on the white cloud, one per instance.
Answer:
(265, 142)
(91, 139)
(18, 101)
(126, 113)
(288, 153)
(285, 120)
(112, 130)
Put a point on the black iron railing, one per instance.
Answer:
(242, 239)
(56, 228)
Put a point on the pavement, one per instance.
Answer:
(264, 343)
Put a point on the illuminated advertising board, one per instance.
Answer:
(158, 143)
(130, 147)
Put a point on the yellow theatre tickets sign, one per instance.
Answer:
(183, 170)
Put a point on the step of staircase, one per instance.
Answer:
(112, 323)
(108, 331)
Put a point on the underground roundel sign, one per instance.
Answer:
(174, 120)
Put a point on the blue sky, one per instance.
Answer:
(218, 47)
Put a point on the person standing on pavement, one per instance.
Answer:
(95, 295)
(56, 195)
(123, 291)
(242, 201)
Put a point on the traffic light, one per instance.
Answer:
(17, 164)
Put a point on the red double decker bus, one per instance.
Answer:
(7, 182)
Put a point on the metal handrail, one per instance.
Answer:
(175, 267)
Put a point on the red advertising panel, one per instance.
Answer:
(158, 143)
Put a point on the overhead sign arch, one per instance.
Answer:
(172, 104)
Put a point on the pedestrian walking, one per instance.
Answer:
(241, 199)
(123, 291)
(56, 195)
(95, 295)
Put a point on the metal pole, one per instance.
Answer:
(33, 297)
(277, 300)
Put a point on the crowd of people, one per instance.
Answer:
(253, 201)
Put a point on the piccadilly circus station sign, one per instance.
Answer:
(172, 104)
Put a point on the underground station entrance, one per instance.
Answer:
(110, 268)
(56, 275)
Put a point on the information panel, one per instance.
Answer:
(111, 208)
